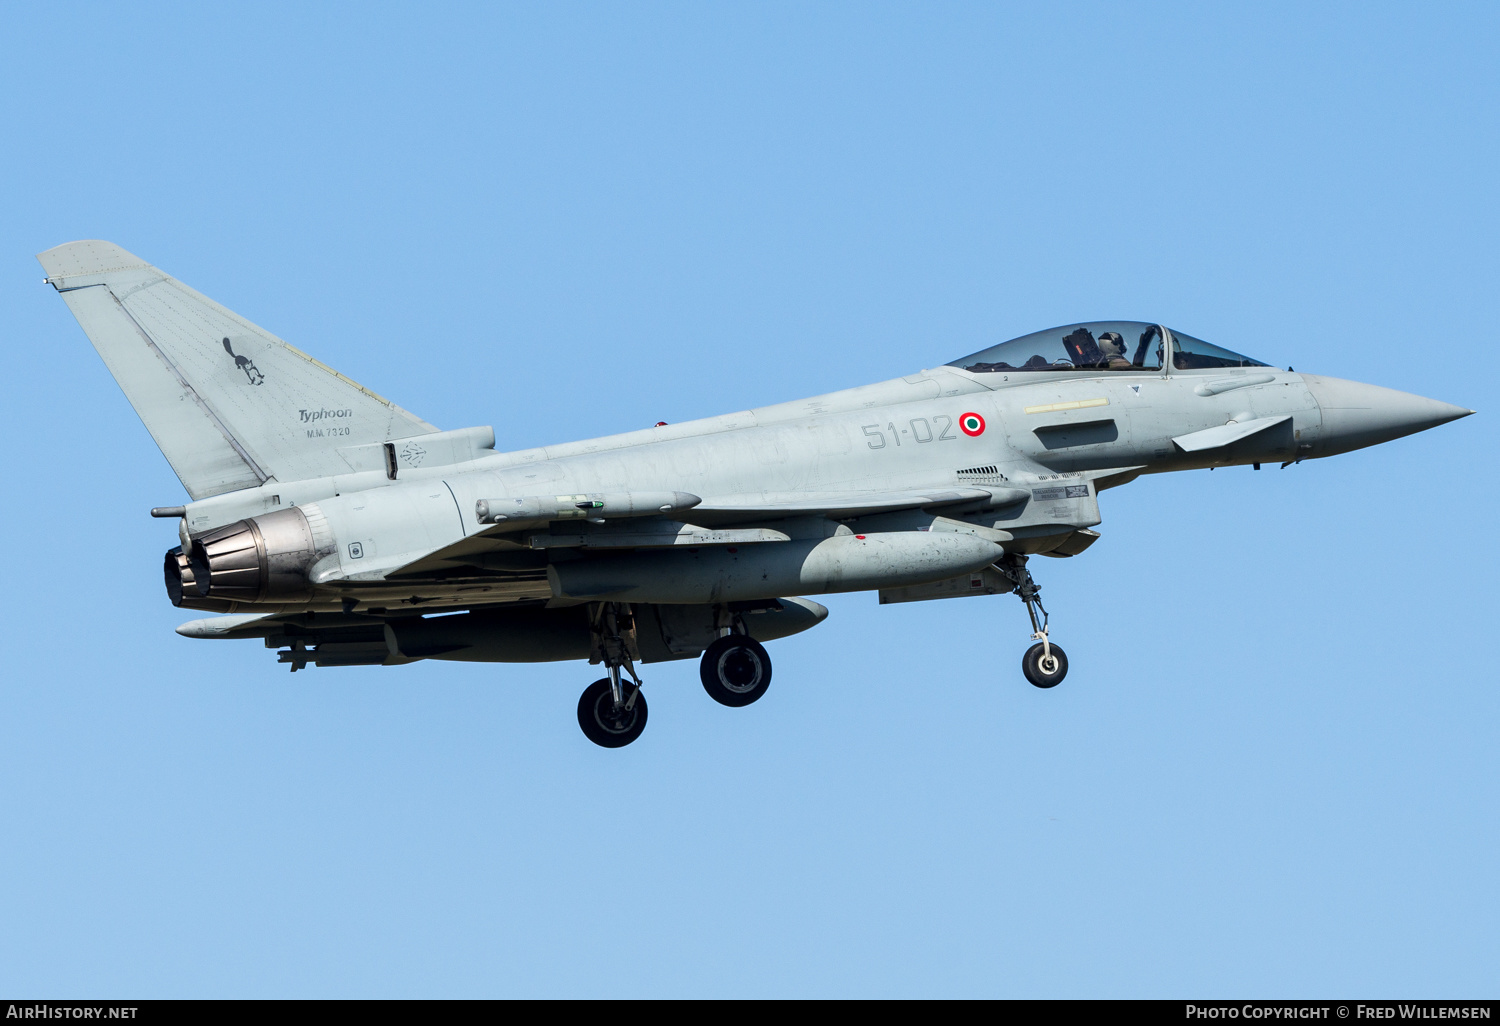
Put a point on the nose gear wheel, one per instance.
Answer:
(1043, 668)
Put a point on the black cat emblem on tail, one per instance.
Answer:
(243, 363)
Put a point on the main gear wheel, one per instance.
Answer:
(736, 670)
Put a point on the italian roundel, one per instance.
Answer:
(971, 424)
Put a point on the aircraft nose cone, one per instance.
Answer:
(1356, 415)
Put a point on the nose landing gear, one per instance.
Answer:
(613, 713)
(1044, 664)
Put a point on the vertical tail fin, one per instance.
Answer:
(229, 404)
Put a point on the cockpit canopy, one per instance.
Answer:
(1102, 346)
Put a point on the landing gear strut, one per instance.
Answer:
(1044, 663)
(736, 670)
(611, 712)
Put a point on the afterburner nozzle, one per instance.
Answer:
(262, 559)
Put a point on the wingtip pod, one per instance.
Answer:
(86, 258)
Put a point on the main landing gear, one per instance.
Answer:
(1044, 663)
(611, 712)
(736, 670)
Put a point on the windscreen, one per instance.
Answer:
(1189, 353)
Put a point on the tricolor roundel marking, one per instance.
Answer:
(971, 424)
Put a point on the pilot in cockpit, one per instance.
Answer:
(1112, 348)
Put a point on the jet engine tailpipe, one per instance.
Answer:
(262, 559)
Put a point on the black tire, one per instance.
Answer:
(735, 670)
(1031, 666)
(602, 723)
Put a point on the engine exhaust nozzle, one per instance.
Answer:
(262, 559)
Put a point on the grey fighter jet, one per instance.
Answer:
(344, 531)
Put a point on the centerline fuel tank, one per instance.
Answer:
(810, 567)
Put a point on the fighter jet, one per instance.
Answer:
(342, 530)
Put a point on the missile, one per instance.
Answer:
(533, 510)
(813, 566)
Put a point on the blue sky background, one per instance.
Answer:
(1273, 768)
